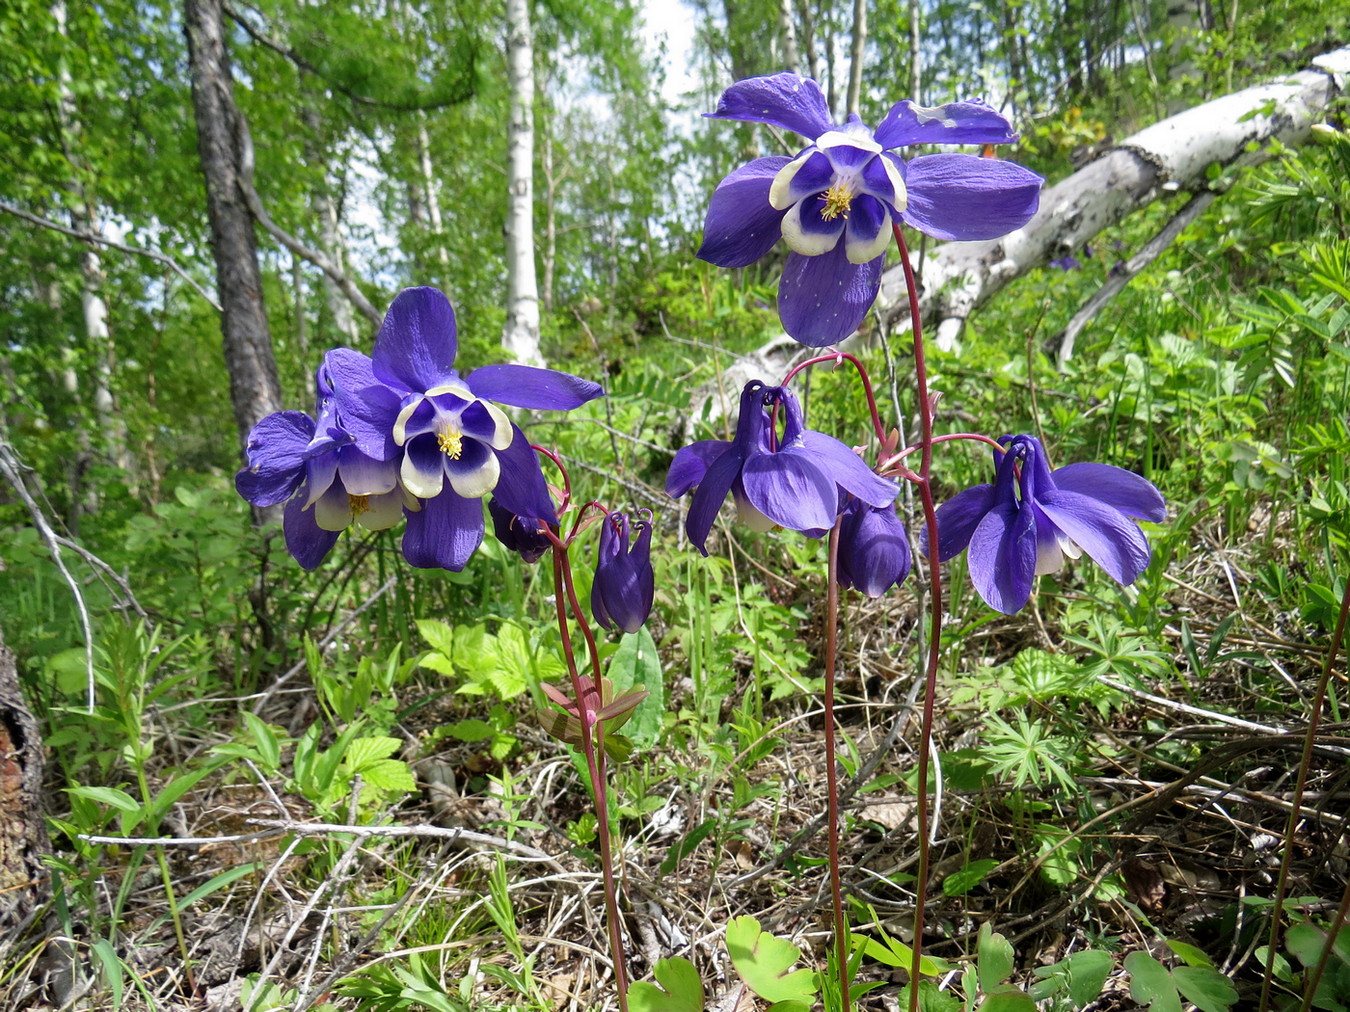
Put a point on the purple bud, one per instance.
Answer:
(624, 586)
(873, 549)
(519, 534)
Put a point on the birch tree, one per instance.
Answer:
(520, 337)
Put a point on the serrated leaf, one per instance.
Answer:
(683, 989)
(363, 751)
(764, 962)
(437, 633)
(471, 730)
(1205, 988)
(1151, 984)
(994, 956)
(930, 998)
(389, 775)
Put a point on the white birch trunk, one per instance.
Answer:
(1172, 155)
(520, 337)
(428, 188)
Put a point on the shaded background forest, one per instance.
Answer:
(378, 137)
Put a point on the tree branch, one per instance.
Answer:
(255, 207)
(1126, 273)
(93, 238)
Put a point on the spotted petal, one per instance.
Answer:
(786, 100)
(741, 225)
(524, 386)
(823, 299)
(953, 123)
(967, 198)
(444, 533)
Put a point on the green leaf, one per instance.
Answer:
(389, 775)
(995, 957)
(930, 998)
(363, 752)
(1088, 971)
(958, 883)
(1189, 954)
(269, 746)
(683, 989)
(637, 664)
(1151, 984)
(1281, 969)
(1008, 1001)
(113, 796)
(1205, 988)
(764, 961)
(439, 635)
(471, 730)
(113, 969)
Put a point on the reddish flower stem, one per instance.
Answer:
(925, 488)
(836, 357)
(841, 940)
(592, 746)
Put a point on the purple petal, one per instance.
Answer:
(954, 123)
(847, 470)
(524, 386)
(691, 463)
(1002, 557)
(305, 540)
(822, 299)
(957, 519)
(1112, 540)
(1126, 491)
(787, 100)
(709, 496)
(873, 550)
(964, 197)
(276, 457)
(444, 533)
(366, 408)
(790, 490)
(741, 225)
(521, 488)
(416, 345)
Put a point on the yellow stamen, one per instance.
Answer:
(451, 442)
(837, 200)
(358, 504)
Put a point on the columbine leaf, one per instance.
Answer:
(764, 962)
(995, 956)
(1008, 1001)
(683, 989)
(1151, 983)
(1088, 971)
(1205, 988)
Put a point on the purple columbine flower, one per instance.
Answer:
(457, 445)
(873, 548)
(340, 478)
(1030, 518)
(624, 586)
(793, 482)
(835, 202)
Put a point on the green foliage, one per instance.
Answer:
(765, 962)
(680, 990)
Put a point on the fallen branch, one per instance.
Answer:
(1122, 275)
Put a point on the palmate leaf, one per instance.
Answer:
(683, 989)
(764, 962)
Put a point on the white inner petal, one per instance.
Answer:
(479, 482)
(893, 174)
(423, 484)
(807, 243)
(862, 140)
(780, 192)
(860, 251)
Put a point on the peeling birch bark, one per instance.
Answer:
(520, 336)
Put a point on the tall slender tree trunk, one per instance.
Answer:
(430, 194)
(254, 389)
(855, 67)
(93, 307)
(520, 337)
(787, 26)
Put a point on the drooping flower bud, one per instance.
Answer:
(624, 586)
(873, 549)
